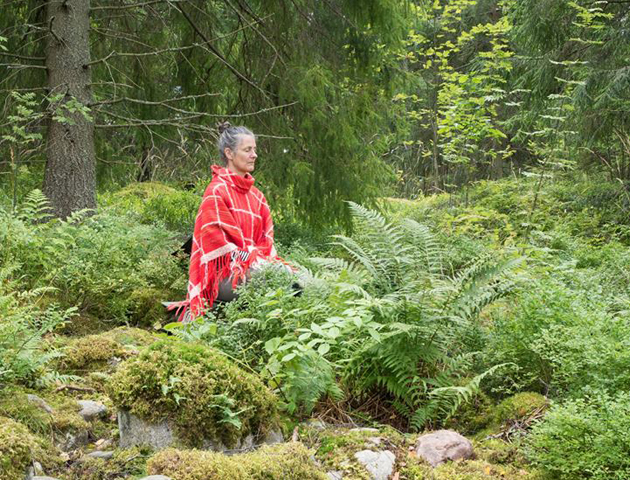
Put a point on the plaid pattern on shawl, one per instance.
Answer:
(233, 230)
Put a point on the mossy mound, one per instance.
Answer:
(14, 404)
(95, 352)
(520, 407)
(124, 464)
(17, 447)
(205, 395)
(276, 462)
(416, 469)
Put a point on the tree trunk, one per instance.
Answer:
(70, 175)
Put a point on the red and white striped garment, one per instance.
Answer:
(233, 230)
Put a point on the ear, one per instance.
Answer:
(228, 153)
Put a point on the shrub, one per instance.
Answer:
(107, 265)
(157, 204)
(276, 462)
(584, 438)
(205, 394)
(560, 341)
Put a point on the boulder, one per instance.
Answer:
(135, 431)
(380, 465)
(438, 447)
(335, 475)
(91, 409)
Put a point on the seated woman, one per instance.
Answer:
(233, 229)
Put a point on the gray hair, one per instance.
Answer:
(230, 138)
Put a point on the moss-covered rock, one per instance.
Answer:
(96, 352)
(520, 407)
(17, 446)
(205, 395)
(277, 462)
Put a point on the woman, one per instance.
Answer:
(233, 229)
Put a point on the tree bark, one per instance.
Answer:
(70, 175)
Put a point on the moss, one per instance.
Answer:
(416, 469)
(473, 416)
(123, 464)
(276, 462)
(335, 447)
(146, 306)
(203, 393)
(94, 352)
(520, 407)
(17, 446)
(15, 405)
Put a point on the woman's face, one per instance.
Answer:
(242, 160)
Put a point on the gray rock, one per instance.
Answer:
(39, 402)
(375, 440)
(101, 455)
(442, 445)
(37, 468)
(91, 409)
(273, 436)
(380, 465)
(72, 440)
(335, 475)
(134, 432)
(156, 477)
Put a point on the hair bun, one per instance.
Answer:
(223, 126)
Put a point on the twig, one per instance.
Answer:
(74, 387)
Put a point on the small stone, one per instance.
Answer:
(375, 440)
(37, 468)
(364, 429)
(101, 455)
(335, 475)
(273, 437)
(91, 409)
(438, 447)
(104, 445)
(72, 441)
(156, 477)
(380, 465)
(44, 478)
(39, 402)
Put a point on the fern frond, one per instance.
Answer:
(35, 208)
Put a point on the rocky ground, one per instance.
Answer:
(139, 407)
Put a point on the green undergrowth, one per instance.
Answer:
(156, 203)
(275, 462)
(206, 395)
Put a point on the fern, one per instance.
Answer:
(35, 208)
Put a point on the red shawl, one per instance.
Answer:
(233, 230)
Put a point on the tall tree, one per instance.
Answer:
(70, 176)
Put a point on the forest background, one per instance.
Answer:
(472, 156)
